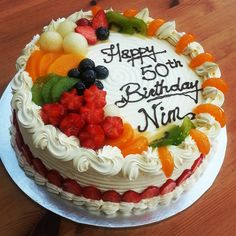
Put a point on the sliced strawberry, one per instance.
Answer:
(83, 22)
(113, 126)
(71, 124)
(55, 178)
(167, 187)
(39, 167)
(92, 115)
(91, 193)
(111, 196)
(71, 101)
(95, 97)
(100, 20)
(71, 186)
(92, 136)
(88, 32)
(186, 173)
(53, 113)
(27, 153)
(131, 196)
(150, 192)
(197, 163)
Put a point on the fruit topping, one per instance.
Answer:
(80, 87)
(100, 20)
(150, 192)
(184, 41)
(197, 163)
(86, 64)
(102, 33)
(92, 115)
(39, 167)
(186, 173)
(96, 9)
(101, 72)
(55, 178)
(201, 140)
(217, 83)
(92, 136)
(71, 124)
(99, 84)
(93, 2)
(24, 148)
(130, 12)
(131, 196)
(88, 32)
(111, 196)
(74, 73)
(66, 27)
(83, 22)
(71, 186)
(52, 113)
(166, 161)
(167, 187)
(88, 77)
(200, 59)
(91, 193)
(154, 26)
(113, 126)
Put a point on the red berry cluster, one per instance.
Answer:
(83, 117)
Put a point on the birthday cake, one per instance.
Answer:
(116, 112)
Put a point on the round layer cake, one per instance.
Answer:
(116, 111)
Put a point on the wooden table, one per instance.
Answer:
(213, 21)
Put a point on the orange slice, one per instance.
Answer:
(32, 66)
(64, 63)
(183, 42)
(95, 9)
(217, 83)
(200, 59)
(213, 110)
(201, 140)
(154, 26)
(166, 161)
(130, 12)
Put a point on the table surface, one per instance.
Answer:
(213, 22)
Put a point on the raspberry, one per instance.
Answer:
(53, 113)
(71, 100)
(92, 115)
(113, 126)
(92, 136)
(95, 97)
(72, 124)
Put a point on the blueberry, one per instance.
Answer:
(88, 77)
(99, 84)
(74, 73)
(102, 33)
(80, 87)
(93, 3)
(102, 72)
(86, 64)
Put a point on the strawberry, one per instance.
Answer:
(111, 196)
(167, 187)
(186, 173)
(92, 115)
(71, 124)
(150, 192)
(100, 20)
(19, 141)
(112, 126)
(39, 167)
(88, 32)
(92, 136)
(55, 178)
(53, 113)
(71, 101)
(95, 97)
(91, 193)
(131, 196)
(83, 22)
(197, 163)
(71, 186)
(27, 153)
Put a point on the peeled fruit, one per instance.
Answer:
(50, 41)
(66, 27)
(166, 161)
(75, 43)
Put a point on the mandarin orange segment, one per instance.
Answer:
(200, 59)
(46, 61)
(126, 136)
(166, 161)
(183, 42)
(213, 110)
(217, 83)
(95, 9)
(64, 63)
(137, 146)
(32, 66)
(201, 140)
(130, 12)
(154, 25)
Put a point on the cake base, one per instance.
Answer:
(78, 214)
